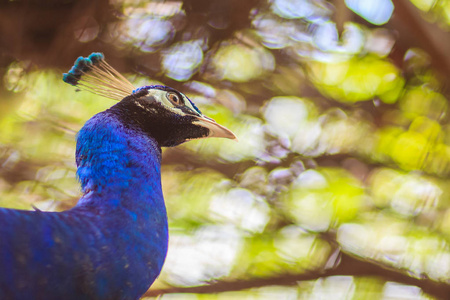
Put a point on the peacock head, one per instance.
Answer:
(164, 113)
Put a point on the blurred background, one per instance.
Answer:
(339, 186)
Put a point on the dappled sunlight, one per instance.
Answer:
(182, 60)
(423, 101)
(339, 182)
(147, 27)
(326, 39)
(188, 194)
(242, 208)
(377, 12)
(358, 79)
(440, 10)
(286, 116)
(321, 199)
(295, 245)
(15, 77)
(399, 244)
(313, 134)
(393, 290)
(422, 147)
(334, 287)
(293, 9)
(291, 250)
(207, 254)
(248, 129)
(239, 63)
(408, 194)
(342, 133)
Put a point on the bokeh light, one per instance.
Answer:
(343, 158)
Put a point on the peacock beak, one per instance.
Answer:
(215, 130)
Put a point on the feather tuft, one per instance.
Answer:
(95, 75)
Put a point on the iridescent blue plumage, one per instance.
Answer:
(113, 243)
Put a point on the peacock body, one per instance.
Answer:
(113, 243)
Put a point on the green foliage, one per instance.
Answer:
(343, 145)
(358, 79)
(322, 198)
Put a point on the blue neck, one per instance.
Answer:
(118, 166)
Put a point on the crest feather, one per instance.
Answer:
(95, 75)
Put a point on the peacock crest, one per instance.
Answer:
(95, 75)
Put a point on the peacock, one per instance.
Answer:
(113, 243)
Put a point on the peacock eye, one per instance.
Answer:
(174, 98)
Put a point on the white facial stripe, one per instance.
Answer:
(160, 96)
(149, 109)
(140, 105)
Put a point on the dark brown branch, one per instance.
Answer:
(348, 266)
(414, 31)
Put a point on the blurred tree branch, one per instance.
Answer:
(415, 31)
(348, 266)
(43, 32)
